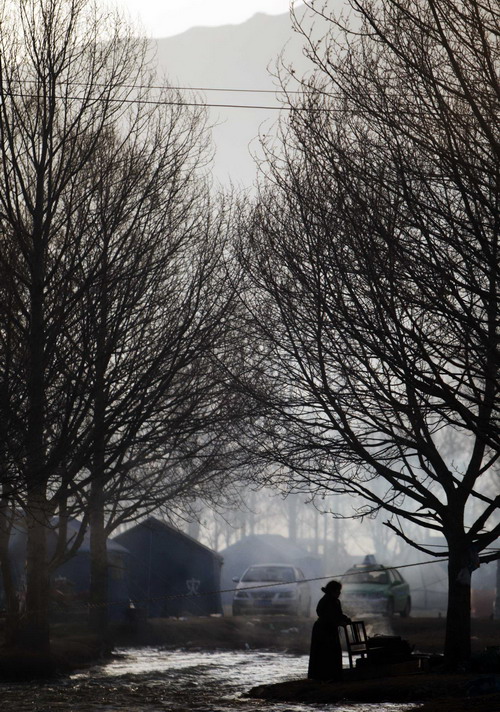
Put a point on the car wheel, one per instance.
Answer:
(236, 611)
(407, 609)
(389, 612)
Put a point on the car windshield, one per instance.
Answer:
(360, 576)
(284, 574)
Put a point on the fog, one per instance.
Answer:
(324, 539)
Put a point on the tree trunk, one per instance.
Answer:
(457, 648)
(292, 507)
(11, 630)
(496, 609)
(316, 532)
(9, 587)
(98, 613)
(35, 627)
(35, 630)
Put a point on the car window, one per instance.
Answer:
(300, 575)
(397, 576)
(360, 576)
(283, 574)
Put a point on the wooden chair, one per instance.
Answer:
(356, 640)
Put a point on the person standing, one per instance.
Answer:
(325, 658)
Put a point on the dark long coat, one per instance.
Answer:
(325, 659)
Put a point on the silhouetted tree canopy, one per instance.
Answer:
(372, 256)
(114, 295)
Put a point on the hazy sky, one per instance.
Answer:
(163, 18)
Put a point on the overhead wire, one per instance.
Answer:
(166, 87)
(165, 102)
(248, 588)
(201, 104)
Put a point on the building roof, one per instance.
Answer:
(73, 529)
(154, 524)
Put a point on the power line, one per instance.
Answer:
(166, 102)
(206, 105)
(167, 87)
(202, 105)
(150, 102)
(142, 601)
(223, 89)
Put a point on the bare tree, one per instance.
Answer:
(156, 310)
(373, 286)
(66, 71)
(155, 315)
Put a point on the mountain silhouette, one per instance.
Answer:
(234, 57)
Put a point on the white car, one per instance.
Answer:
(284, 590)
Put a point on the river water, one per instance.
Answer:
(160, 680)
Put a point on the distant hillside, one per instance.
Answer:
(233, 56)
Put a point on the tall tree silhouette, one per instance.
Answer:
(373, 288)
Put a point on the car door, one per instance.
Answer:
(399, 590)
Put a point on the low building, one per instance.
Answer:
(170, 573)
(70, 582)
(73, 577)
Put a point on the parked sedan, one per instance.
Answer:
(373, 588)
(284, 590)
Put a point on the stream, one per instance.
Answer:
(161, 680)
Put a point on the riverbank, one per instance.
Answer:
(436, 691)
(68, 653)
(73, 649)
(73, 645)
(289, 634)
